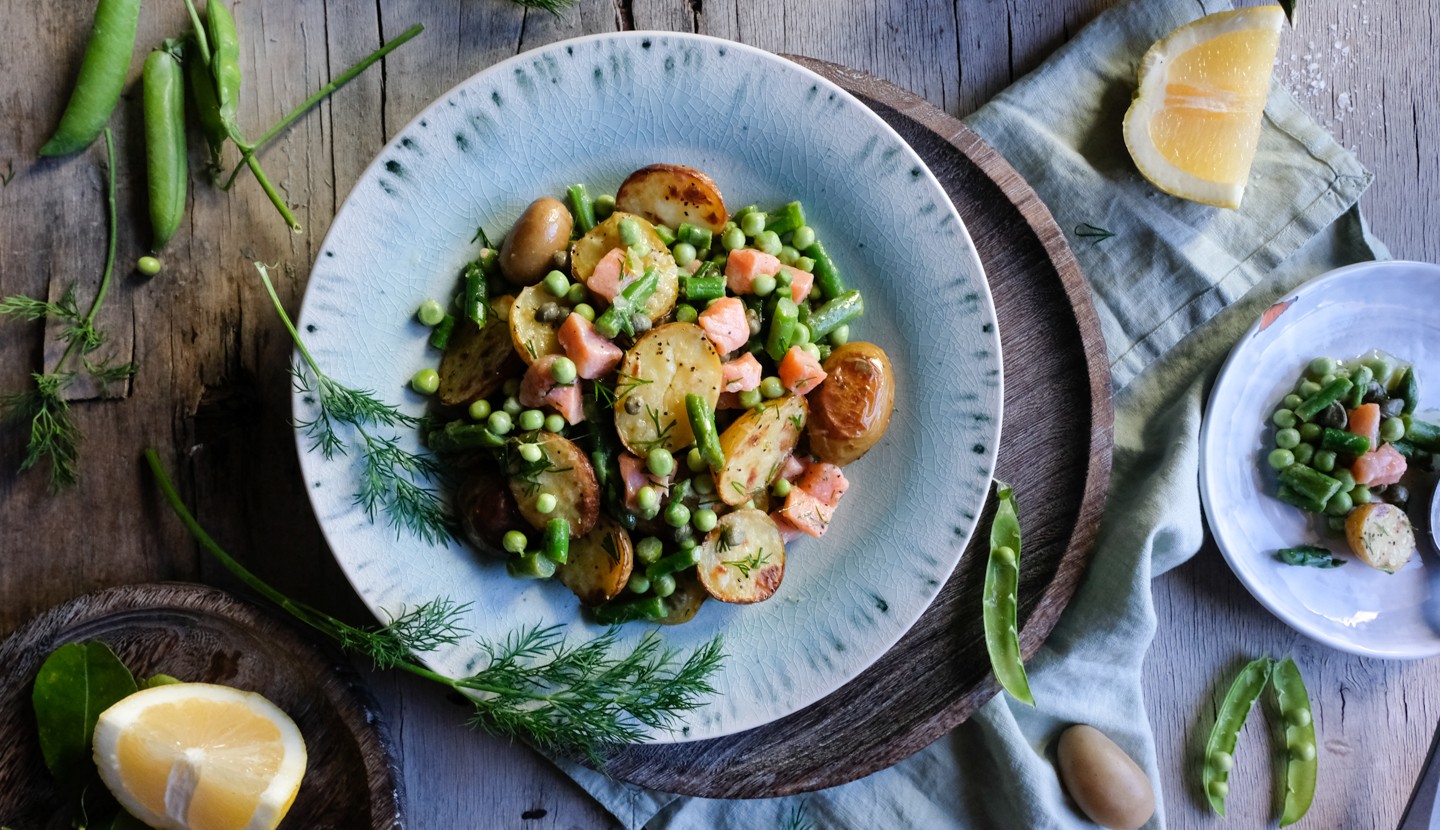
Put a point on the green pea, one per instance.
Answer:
(1291, 401)
(1287, 439)
(753, 224)
(531, 419)
(531, 452)
(480, 410)
(1345, 477)
(1360, 494)
(585, 310)
(1320, 367)
(1327, 380)
(771, 387)
(1284, 418)
(704, 520)
(1311, 432)
(750, 398)
(649, 549)
(660, 462)
(425, 381)
(686, 313)
(769, 242)
(577, 294)
(703, 485)
(647, 498)
(604, 206)
(638, 583)
(1324, 460)
(788, 255)
(1392, 430)
(556, 283)
(814, 351)
(1303, 751)
(694, 461)
(663, 585)
(1307, 389)
(629, 231)
(515, 541)
(545, 503)
(150, 266)
(803, 237)
(732, 239)
(554, 423)
(763, 286)
(1298, 717)
(1222, 761)
(563, 370)
(1336, 524)
(684, 253)
(430, 313)
(688, 544)
(1219, 789)
(805, 264)
(1304, 453)
(499, 423)
(841, 335)
(677, 514)
(1279, 459)
(1339, 504)
(512, 406)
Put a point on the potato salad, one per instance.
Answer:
(647, 396)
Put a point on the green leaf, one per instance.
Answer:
(1288, 6)
(76, 683)
(1308, 556)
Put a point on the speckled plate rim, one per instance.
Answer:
(1234, 527)
(965, 431)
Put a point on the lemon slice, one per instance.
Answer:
(1195, 121)
(194, 756)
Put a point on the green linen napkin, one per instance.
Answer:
(1175, 287)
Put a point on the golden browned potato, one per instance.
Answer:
(756, 445)
(850, 411)
(476, 362)
(671, 194)
(589, 249)
(663, 366)
(685, 603)
(534, 320)
(564, 472)
(743, 558)
(599, 564)
(542, 231)
(486, 510)
(1381, 535)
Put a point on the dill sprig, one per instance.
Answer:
(552, 6)
(797, 819)
(393, 480)
(576, 699)
(54, 437)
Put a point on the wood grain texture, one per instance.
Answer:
(1057, 384)
(199, 634)
(212, 396)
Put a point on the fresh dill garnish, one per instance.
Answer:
(575, 699)
(753, 562)
(662, 433)
(604, 395)
(1094, 233)
(739, 488)
(393, 479)
(797, 421)
(481, 237)
(54, 437)
(797, 819)
(528, 472)
(552, 6)
(629, 383)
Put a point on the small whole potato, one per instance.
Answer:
(541, 232)
(1107, 785)
(850, 411)
(486, 510)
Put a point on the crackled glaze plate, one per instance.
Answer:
(592, 110)
(1385, 305)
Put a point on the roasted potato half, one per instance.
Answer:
(664, 364)
(685, 603)
(534, 320)
(476, 362)
(564, 471)
(743, 558)
(588, 250)
(599, 564)
(670, 194)
(1381, 535)
(486, 510)
(756, 445)
(850, 411)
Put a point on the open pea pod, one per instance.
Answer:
(1300, 750)
(1002, 584)
(1220, 748)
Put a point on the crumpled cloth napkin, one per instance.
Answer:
(1175, 287)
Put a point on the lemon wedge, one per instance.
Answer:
(195, 756)
(1194, 124)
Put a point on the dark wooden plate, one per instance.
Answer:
(198, 633)
(1054, 449)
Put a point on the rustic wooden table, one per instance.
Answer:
(212, 393)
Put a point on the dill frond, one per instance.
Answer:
(53, 434)
(552, 6)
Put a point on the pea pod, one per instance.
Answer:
(1220, 748)
(101, 79)
(224, 58)
(202, 94)
(1300, 749)
(165, 166)
(1002, 584)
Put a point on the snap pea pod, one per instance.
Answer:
(202, 93)
(835, 313)
(477, 293)
(1220, 748)
(1338, 440)
(631, 300)
(1328, 394)
(224, 58)
(556, 542)
(582, 206)
(786, 219)
(614, 613)
(702, 424)
(782, 328)
(165, 165)
(1300, 750)
(827, 276)
(1002, 583)
(101, 79)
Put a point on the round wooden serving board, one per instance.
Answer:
(197, 633)
(1054, 450)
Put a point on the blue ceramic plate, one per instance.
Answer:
(592, 110)
(1349, 311)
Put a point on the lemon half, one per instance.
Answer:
(1194, 124)
(194, 756)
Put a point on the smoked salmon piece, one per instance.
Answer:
(743, 265)
(594, 356)
(1383, 466)
(800, 371)
(725, 324)
(538, 388)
